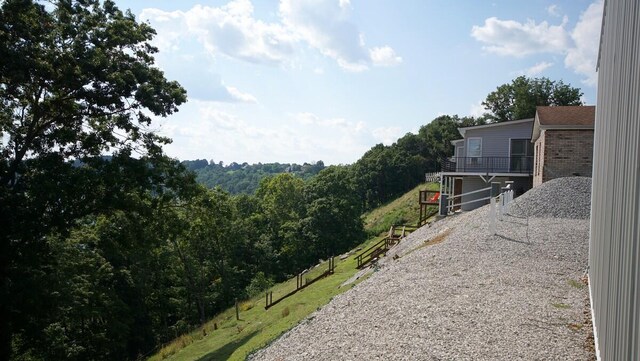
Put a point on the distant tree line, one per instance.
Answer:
(244, 178)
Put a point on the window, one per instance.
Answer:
(520, 157)
(474, 147)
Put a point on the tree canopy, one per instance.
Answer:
(75, 82)
(518, 99)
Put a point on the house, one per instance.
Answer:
(563, 142)
(497, 152)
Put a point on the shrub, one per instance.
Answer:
(258, 284)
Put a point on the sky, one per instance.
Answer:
(306, 80)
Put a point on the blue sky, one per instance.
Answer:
(307, 80)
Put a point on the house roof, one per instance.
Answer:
(501, 124)
(563, 117)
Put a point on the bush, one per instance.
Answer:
(258, 284)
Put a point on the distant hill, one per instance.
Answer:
(244, 178)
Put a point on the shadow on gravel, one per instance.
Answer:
(513, 240)
(224, 352)
(514, 220)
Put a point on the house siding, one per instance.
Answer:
(563, 153)
(495, 140)
(614, 248)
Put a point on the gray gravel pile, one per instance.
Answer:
(473, 296)
(568, 197)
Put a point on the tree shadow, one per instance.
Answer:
(224, 352)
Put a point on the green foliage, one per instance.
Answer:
(260, 327)
(259, 284)
(245, 178)
(385, 172)
(518, 100)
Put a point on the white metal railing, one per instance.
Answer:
(432, 177)
(498, 207)
(451, 202)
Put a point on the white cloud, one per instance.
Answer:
(538, 68)
(477, 109)
(211, 130)
(384, 56)
(509, 37)
(579, 45)
(324, 25)
(387, 135)
(583, 56)
(307, 118)
(553, 10)
(240, 96)
(232, 30)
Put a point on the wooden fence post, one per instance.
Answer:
(237, 311)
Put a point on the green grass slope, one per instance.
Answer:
(225, 338)
(402, 210)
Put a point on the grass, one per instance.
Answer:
(402, 210)
(576, 284)
(560, 305)
(225, 338)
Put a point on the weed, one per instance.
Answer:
(185, 340)
(575, 326)
(285, 312)
(560, 305)
(577, 284)
(246, 306)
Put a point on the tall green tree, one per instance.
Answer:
(74, 82)
(518, 99)
(333, 223)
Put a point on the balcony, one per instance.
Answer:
(519, 164)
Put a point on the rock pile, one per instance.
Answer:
(568, 197)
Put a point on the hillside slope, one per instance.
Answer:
(224, 337)
(454, 291)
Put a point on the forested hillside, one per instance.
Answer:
(244, 178)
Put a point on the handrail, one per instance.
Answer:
(382, 245)
(514, 164)
(472, 192)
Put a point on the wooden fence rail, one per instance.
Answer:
(301, 283)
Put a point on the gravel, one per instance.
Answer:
(568, 197)
(472, 296)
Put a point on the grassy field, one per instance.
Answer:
(403, 210)
(224, 337)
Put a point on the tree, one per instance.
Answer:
(333, 222)
(74, 82)
(518, 100)
(439, 133)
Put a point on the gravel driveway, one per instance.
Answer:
(473, 296)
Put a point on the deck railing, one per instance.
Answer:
(488, 164)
